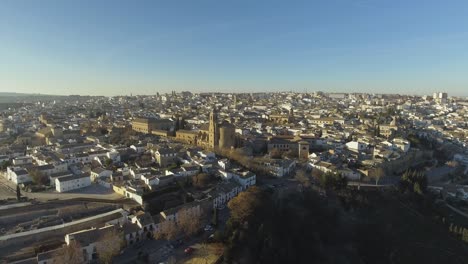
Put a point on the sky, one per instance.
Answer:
(113, 47)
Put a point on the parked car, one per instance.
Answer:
(210, 238)
(189, 250)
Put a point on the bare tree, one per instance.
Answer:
(38, 177)
(275, 153)
(243, 205)
(452, 163)
(201, 180)
(172, 260)
(167, 230)
(109, 245)
(316, 173)
(302, 177)
(189, 221)
(378, 174)
(71, 254)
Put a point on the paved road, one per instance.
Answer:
(438, 173)
(6, 190)
(457, 211)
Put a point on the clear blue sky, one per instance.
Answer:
(114, 47)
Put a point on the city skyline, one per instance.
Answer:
(115, 48)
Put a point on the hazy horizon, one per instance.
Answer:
(235, 92)
(120, 48)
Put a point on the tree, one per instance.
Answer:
(167, 230)
(171, 260)
(109, 245)
(38, 177)
(275, 153)
(413, 182)
(108, 162)
(378, 174)
(452, 163)
(5, 164)
(333, 181)
(302, 177)
(71, 254)
(243, 205)
(214, 219)
(201, 180)
(18, 192)
(189, 221)
(290, 154)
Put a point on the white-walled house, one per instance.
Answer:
(225, 175)
(245, 178)
(54, 176)
(88, 240)
(350, 174)
(145, 223)
(402, 144)
(224, 193)
(224, 164)
(150, 179)
(18, 175)
(171, 214)
(113, 155)
(22, 160)
(100, 173)
(356, 146)
(50, 169)
(138, 172)
(189, 170)
(280, 168)
(324, 166)
(68, 183)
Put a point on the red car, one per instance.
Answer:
(189, 250)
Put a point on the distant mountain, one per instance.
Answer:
(8, 97)
(23, 94)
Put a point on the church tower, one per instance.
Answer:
(291, 116)
(213, 130)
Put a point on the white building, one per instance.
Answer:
(192, 209)
(350, 174)
(280, 168)
(54, 176)
(150, 179)
(68, 183)
(356, 146)
(88, 240)
(403, 145)
(18, 175)
(22, 160)
(100, 173)
(245, 178)
(224, 193)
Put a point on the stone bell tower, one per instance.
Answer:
(213, 130)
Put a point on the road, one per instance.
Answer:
(457, 211)
(438, 173)
(6, 190)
